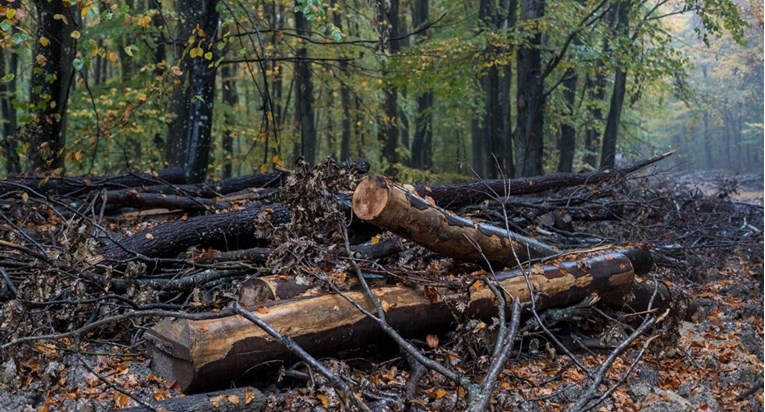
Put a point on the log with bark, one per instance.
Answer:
(226, 231)
(455, 196)
(394, 208)
(203, 354)
(81, 186)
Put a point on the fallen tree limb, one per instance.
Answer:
(392, 207)
(199, 354)
(230, 400)
(82, 185)
(227, 231)
(454, 196)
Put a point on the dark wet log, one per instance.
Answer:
(255, 254)
(220, 188)
(224, 231)
(81, 186)
(203, 354)
(454, 196)
(246, 399)
(392, 207)
(134, 199)
(378, 250)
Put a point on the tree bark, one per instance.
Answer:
(231, 99)
(7, 111)
(304, 114)
(189, 133)
(529, 138)
(345, 95)
(567, 144)
(225, 231)
(454, 196)
(390, 136)
(608, 154)
(595, 94)
(51, 81)
(376, 200)
(207, 353)
(422, 143)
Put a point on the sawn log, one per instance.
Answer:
(208, 353)
(394, 208)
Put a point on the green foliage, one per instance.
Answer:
(118, 104)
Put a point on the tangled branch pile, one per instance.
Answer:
(88, 266)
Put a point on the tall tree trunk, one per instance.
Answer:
(159, 52)
(51, 81)
(422, 143)
(529, 139)
(595, 95)
(189, 134)
(231, 99)
(493, 134)
(567, 144)
(390, 134)
(9, 60)
(608, 153)
(304, 114)
(345, 95)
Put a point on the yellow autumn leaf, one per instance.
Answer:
(25, 197)
(195, 52)
(79, 155)
(44, 41)
(10, 13)
(323, 399)
(375, 240)
(41, 60)
(60, 17)
(112, 56)
(233, 399)
(263, 168)
(208, 56)
(144, 22)
(75, 34)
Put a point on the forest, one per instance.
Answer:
(425, 89)
(381, 205)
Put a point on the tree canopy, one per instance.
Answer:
(437, 89)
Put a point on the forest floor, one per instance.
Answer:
(712, 360)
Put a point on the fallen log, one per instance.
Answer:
(79, 186)
(392, 207)
(207, 353)
(226, 231)
(455, 196)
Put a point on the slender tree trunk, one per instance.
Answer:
(422, 150)
(160, 52)
(345, 95)
(567, 144)
(51, 81)
(595, 95)
(390, 134)
(608, 153)
(231, 99)
(529, 142)
(9, 60)
(492, 136)
(304, 114)
(189, 134)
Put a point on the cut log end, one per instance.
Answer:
(370, 197)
